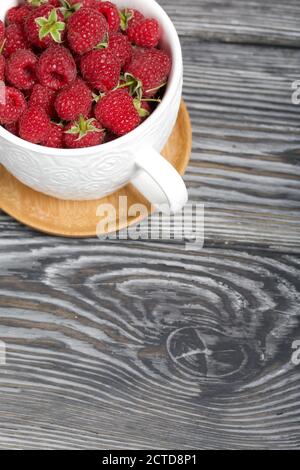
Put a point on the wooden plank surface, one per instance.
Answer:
(271, 22)
(245, 161)
(158, 345)
(181, 349)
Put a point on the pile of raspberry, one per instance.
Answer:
(78, 73)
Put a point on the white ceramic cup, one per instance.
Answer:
(91, 173)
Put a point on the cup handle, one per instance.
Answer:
(159, 182)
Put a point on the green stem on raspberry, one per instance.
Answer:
(103, 44)
(134, 85)
(67, 9)
(158, 100)
(51, 26)
(37, 3)
(83, 127)
(60, 123)
(157, 88)
(96, 97)
(125, 16)
(143, 113)
(125, 85)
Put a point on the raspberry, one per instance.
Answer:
(12, 105)
(60, 81)
(34, 125)
(111, 13)
(2, 31)
(2, 68)
(13, 128)
(84, 3)
(55, 136)
(39, 3)
(18, 15)
(56, 68)
(151, 67)
(84, 133)
(77, 59)
(116, 112)
(44, 26)
(20, 69)
(14, 39)
(43, 98)
(109, 137)
(86, 28)
(119, 44)
(146, 33)
(101, 69)
(75, 100)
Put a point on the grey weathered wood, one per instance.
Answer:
(271, 22)
(245, 161)
(105, 340)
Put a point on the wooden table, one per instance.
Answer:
(140, 345)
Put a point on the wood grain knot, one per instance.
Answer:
(207, 354)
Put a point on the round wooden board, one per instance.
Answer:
(78, 218)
